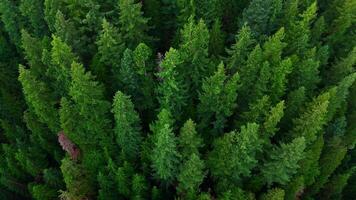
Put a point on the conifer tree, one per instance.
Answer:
(39, 98)
(191, 175)
(76, 179)
(234, 155)
(133, 26)
(127, 129)
(273, 194)
(192, 170)
(272, 120)
(217, 39)
(60, 61)
(33, 10)
(283, 162)
(261, 16)
(189, 140)
(218, 99)
(51, 8)
(12, 20)
(164, 155)
(139, 187)
(312, 120)
(239, 51)
(193, 49)
(171, 91)
(86, 104)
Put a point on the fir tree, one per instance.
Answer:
(239, 51)
(133, 26)
(189, 140)
(218, 99)
(283, 162)
(33, 10)
(193, 49)
(217, 39)
(172, 94)
(39, 98)
(191, 175)
(273, 194)
(127, 129)
(164, 155)
(261, 16)
(234, 154)
(310, 122)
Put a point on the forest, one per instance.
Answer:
(177, 99)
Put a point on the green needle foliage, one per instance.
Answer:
(177, 99)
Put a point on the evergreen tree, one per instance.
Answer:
(191, 175)
(239, 51)
(273, 194)
(40, 99)
(217, 39)
(133, 26)
(193, 49)
(261, 16)
(218, 99)
(164, 155)
(33, 10)
(189, 140)
(171, 91)
(127, 129)
(312, 120)
(234, 155)
(283, 162)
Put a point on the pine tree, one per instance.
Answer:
(273, 194)
(234, 155)
(128, 128)
(192, 169)
(238, 54)
(123, 176)
(191, 175)
(312, 120)
(171, 91)
(218, 99)
(76, 179)
(193, 49)
(51, 8)
(133, 26)
(272, 120)
(261, 16)
(40, 99)
(86, 104)
(12, 20)
(33, 10)
(164, 155)
(189, 140)
(139, 187)
(217, 39)
(60, 60)
(331, 157)
(283, 162)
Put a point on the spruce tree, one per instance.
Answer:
(40, 99)
(234, 155)
(133, 26)
(128, 128)
(171, 89)
(283, 162)
(165, 156)
(218, 99)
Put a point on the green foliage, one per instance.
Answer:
(283, 162)
(273, 194)
(217, 100)
(164, 155)
(127, 129)
(234, 154)
(133, 25)
(177, 99)
(39, 98)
